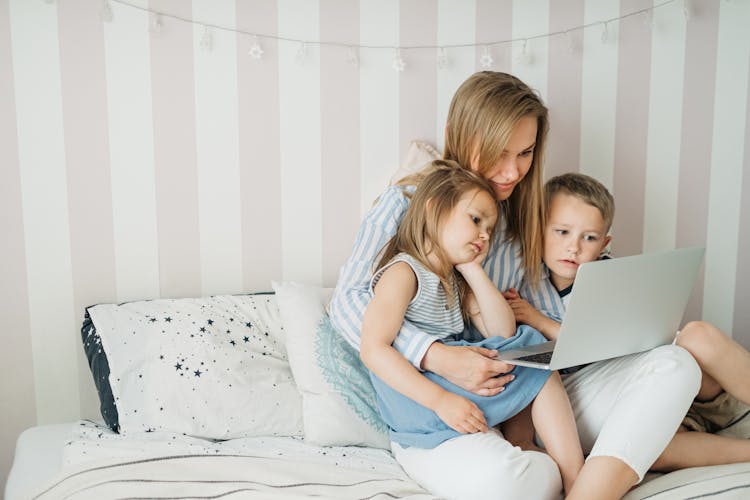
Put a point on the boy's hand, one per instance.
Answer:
(460, 414)
(527, 314)
(522, 310)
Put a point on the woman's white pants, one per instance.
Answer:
(627, 408)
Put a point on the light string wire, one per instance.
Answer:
(603, 22)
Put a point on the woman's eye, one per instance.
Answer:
(475, 219)
(527, 153)
(561, 232)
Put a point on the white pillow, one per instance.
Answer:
(419, 154)
(338, 401)
(211, 367)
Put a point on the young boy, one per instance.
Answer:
(580, 211)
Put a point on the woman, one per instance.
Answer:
(626, 409)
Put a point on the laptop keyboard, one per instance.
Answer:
(542, 357)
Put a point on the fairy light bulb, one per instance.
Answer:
(256, 51)
(398, 63)
(486, 60)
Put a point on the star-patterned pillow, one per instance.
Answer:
(213, 367)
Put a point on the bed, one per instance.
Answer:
(249, 396)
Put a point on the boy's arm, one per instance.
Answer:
(527, 314)
(488, 309)
(382, 322)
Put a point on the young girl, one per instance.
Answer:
(431, 273)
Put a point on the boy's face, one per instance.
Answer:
(575, 234)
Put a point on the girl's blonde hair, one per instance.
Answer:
(483, 113)
(443, 183)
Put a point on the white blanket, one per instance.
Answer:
(100, 464)
(225, 476)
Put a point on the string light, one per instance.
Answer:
(442, 59)
(301, 55)
(524, 56)
(686, 9)
(398, 63)
(605, 33)
(571, 42)
(486, 59)
(156, 24)
(106, 12)
(256, 51)
(352, 57)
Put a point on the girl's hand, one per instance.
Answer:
(476, 262)
(460, 414)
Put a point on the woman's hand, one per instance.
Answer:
(472, 368)
(460, 414)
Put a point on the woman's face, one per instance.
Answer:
(514, 162)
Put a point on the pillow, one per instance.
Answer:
(338, 401)
(211, 367)
(419, 154)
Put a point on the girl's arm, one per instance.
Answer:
(382, 322)
(488, 309)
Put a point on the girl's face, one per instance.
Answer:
(515, 160)
(465, 232)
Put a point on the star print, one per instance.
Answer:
(248, 324)
(246, 339)
(168, 319)
(153, 320)
(233, 342)
(178, 366)
(197, 373)
(210, 322)
(203, 329)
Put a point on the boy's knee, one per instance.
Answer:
(677, 363)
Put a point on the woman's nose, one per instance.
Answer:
(507, 171)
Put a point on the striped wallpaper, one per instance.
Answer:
(136, 163)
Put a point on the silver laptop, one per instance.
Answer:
(618, 306)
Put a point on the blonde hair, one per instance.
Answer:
(482, 116)
(586, 189)
(443, 184)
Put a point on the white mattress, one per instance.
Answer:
(39, 456)
(45, 453)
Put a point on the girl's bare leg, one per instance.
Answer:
(519, 431)
(725, 363)
(555, 423)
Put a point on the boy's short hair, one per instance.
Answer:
(585, 188)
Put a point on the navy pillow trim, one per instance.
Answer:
(99, 366)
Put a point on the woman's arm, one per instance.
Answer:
(383, 317)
